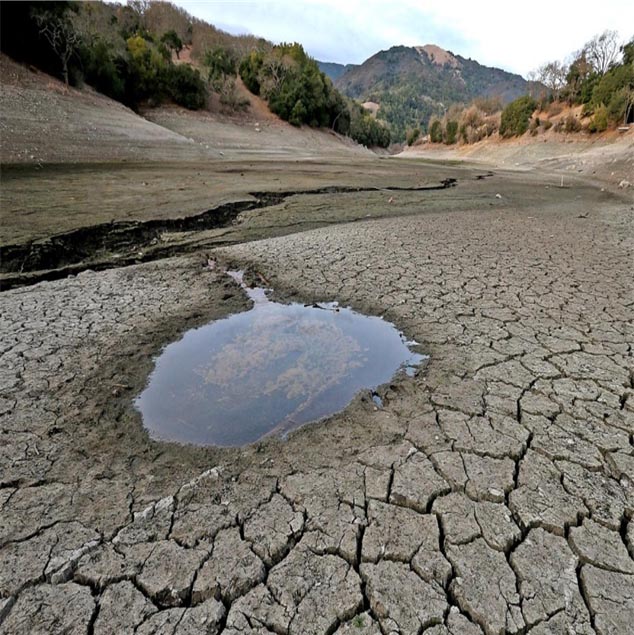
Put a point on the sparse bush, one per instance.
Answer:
(298, 92)
(554, 109)
(488, 105)
(451, 132)
(587, 110)
(571, 124)
(618, 104)
(533, 127)
(548, 124)
(413, 136)
(516, 115)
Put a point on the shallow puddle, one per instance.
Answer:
(268, 370)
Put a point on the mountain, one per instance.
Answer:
(413, 83)
(334, 70)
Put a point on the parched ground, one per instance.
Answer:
(493, 493)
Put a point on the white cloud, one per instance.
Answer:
(514, 36)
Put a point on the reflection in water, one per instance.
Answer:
(267, 371)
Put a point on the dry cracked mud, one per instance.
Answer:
(492, 493)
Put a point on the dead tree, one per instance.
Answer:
(61, 35)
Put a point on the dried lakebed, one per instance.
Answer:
(491, 494)
(268, 371)
(123, 243)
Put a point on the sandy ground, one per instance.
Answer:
(491, 493)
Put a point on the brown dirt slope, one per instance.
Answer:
(608, 157)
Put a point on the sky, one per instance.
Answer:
(515, 36)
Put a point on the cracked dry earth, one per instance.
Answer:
(491, 494)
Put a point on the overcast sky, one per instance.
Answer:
(515, 36)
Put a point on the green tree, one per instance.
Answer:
(435, 131)
(413, 136)
(451, 132)
(250, 68)
(516, 116)
(222, 63)
(173, 42)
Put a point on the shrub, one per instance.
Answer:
(617, 105)
(249, 70)
(186, 87)
(516, 115)
(571, 124)
(533, 127)
(172, 41)
(488, 105)
(366, 130)
(451, 132)
(435, 131)
(222, 63)
(413, 136)
(599, 121)
(104, 70)
(548, 124)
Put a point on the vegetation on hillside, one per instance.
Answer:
(127, 52)
(600, 76)
(516, 117)
(411, 87)
(593, 92)
(296, 90)
(107, 46)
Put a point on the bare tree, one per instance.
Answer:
(602, 51)
(60, 34)
(553, 76)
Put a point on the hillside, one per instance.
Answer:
(334, 70)
(413, 83)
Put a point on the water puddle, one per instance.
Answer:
(268, 371)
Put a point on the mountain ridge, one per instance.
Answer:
(334, 70)
(413, 83)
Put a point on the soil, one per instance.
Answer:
(491, 493)
(606, 158)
